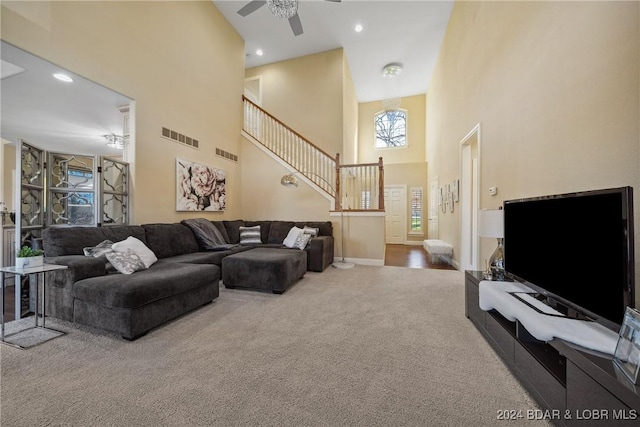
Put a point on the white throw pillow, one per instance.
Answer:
(137, 247)
(291, 238)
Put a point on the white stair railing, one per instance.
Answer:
(361, 185)
(300, 153)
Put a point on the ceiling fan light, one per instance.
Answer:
(283, 8)
(114, 141)
(392, 70)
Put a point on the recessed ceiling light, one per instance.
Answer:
(359, 28)
(259, 52)
(63, 77)
(392, 70)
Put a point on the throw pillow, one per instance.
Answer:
(100, 249)
(125, 262)
(137, 247)
(290, 240)
(250, 235)
(302, 240)
(310, 230)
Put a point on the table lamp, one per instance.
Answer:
(491, 224)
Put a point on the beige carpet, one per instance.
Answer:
(371, 346)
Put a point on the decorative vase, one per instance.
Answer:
(30, 262)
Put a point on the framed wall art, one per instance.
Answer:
(456, 192)
(199, 187)
(450, 198)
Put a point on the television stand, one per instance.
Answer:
(577, 387)
(561, 309)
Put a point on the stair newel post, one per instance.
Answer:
(380, 184)
(338, 200)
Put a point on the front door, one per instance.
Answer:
(395, 203)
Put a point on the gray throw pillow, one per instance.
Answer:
(310, 230)
(100, 251)
(97, 251)
(250, 235)
(126, 262)
(302, 240)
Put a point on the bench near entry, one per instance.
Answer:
(439, 252)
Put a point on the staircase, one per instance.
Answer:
(358, 187)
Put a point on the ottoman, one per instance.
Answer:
(438, 251)
(264, 268)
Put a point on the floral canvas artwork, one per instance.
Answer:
(199, 187)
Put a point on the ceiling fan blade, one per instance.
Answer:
(251, 7)
(296, 25)
(335, 1)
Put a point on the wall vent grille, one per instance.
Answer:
(180, 138)
(227, 155)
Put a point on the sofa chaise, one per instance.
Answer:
(184, 277)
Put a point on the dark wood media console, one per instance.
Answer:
(573, 386)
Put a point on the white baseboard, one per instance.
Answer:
(362, 261)
(413, 243)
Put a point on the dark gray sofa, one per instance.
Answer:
(183, 279)
(129, 305)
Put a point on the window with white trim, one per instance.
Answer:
(391, 129)
(365, 200)
(416, 209)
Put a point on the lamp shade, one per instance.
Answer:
(491, 223)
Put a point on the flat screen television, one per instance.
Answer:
(576, 250)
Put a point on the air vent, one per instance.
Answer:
(180, 138)
(226, 155)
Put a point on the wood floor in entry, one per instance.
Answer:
(410, 256)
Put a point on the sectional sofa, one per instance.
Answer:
(184, 277)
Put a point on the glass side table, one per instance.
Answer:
(36, 334)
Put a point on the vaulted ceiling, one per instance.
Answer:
(408, 32)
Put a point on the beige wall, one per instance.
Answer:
(183, 64)
(364, 238)
(555, 87)
(263, 198)
(306, 94)
(416, 128)
(350, 118)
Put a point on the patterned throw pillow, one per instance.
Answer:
(250, 235)
(137, 247)
(126, 262)
(302, 240)
(97, 251)
(310, 230)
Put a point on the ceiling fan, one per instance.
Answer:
(280, 8)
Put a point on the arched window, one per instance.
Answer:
(391, 129)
